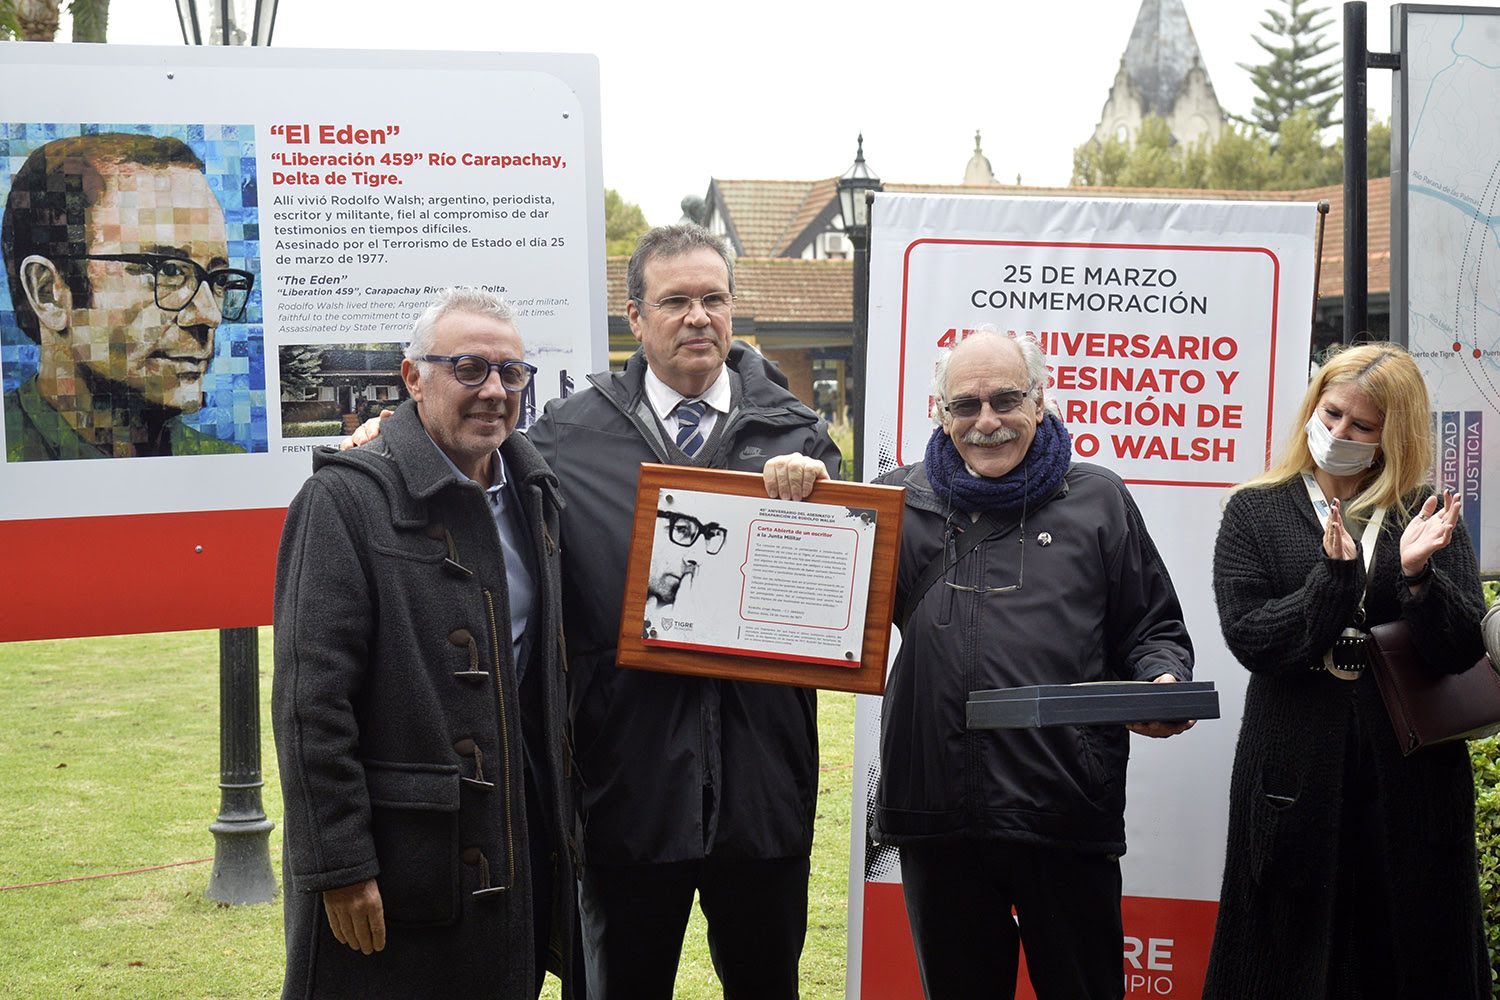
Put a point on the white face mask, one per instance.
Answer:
(1337, 456)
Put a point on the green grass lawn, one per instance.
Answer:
(109, 761)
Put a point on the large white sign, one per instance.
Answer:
(1445, 235)
(1177, 336)
(243, 238)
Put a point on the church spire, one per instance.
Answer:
(1162, 74)
(1161, 53)
(978, 170)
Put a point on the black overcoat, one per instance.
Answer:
(1097, 604)
(651, 747)
(1281, 604)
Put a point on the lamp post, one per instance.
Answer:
(856, 187)
(230, 22)
(242, 858)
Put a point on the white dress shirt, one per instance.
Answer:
(664, 400)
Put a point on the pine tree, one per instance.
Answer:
(301, 371)
(1292, 78)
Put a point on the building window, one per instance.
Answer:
(828, 390)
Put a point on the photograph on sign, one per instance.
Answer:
(328, 388)
(757, 576)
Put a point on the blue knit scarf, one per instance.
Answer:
(1030, 482)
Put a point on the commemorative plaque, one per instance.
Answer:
(725, 582)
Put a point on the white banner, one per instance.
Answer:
(345, 189)
(1177, 336)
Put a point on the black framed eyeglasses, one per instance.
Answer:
(684, 530)
(717, 303)
(949, 545)
(175, 280)
(1001, 401)
(473, 371)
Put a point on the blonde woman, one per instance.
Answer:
(1350, 870)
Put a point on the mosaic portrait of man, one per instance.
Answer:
(118, 260)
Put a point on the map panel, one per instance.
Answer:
(1446, 241)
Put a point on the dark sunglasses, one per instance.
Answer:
(1002, 401)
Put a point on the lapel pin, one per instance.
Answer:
(1045, 538)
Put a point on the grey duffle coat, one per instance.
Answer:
(398, 725)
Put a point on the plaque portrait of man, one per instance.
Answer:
(117, 259)
(678, 549)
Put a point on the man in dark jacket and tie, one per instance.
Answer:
(688, 783)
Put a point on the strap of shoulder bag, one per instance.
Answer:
(987, 526)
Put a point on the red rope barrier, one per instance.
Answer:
(85, 878)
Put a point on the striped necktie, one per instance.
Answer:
(689, 414)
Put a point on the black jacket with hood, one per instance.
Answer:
(673, 768)
(1096, 604)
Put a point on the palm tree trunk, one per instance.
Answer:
(37, 19)
(90, 19)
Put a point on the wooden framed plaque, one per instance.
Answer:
(725, 582)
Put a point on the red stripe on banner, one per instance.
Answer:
(76, 576)
(1165, 953)
(888, 963)
(1166, 946)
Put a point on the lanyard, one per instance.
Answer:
(1367, 541)
(1367, 538)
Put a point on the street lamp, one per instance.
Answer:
(242, 857)
(855, 189)
(230, 22)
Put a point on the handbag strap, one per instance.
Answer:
(967, 542)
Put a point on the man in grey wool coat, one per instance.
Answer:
(418, 698)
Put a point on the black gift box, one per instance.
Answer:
(1091, 704)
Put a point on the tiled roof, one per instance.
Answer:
(773, 290)
(1378, 253)
(790, 290)
(765, 213)
(819, 196)
(1377, 201)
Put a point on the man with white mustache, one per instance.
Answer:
(1018, 566)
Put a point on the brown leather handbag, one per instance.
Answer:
(1426, 707)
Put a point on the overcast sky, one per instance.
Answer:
(779, 89)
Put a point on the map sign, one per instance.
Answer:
(1445, 236)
